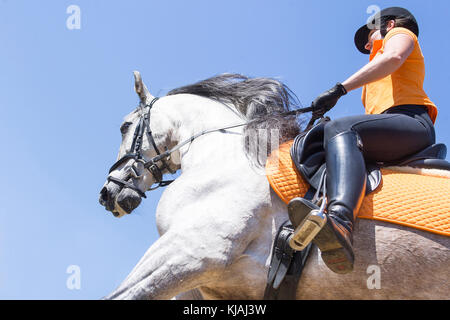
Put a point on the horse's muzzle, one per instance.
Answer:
(128, 200)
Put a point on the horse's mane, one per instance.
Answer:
(255, 98)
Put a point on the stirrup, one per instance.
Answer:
(298, 209)
(307, 229)
(312, 218)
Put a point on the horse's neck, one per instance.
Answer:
(192, 114)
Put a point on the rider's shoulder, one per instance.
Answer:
(400, 30)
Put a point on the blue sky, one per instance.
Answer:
(64, 93)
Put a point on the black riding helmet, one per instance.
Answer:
(396, 12)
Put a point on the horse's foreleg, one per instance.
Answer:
(173, 264)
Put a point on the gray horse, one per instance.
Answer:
(218, 219)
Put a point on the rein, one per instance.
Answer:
(178, 146)
(151, 165)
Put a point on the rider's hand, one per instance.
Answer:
(327, 100)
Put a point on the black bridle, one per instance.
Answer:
(143, 128)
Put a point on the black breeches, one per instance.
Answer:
(399, 132)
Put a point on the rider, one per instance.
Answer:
(399, 122)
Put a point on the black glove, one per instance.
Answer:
(327, 100)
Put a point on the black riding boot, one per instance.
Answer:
(346, 182)
(346, 185)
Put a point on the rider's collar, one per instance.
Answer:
(377, 44)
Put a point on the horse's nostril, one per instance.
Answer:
(104, 194)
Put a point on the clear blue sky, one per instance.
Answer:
(64, 93)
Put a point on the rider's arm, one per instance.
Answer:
(396, 50)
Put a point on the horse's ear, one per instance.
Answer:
(141, 89)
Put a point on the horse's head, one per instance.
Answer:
(145, 133)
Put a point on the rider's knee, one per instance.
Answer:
(333, 128)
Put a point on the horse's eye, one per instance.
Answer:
(124, 127)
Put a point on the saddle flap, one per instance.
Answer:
(307, 152)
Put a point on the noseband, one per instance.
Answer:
(143, 128)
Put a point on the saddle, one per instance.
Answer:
(307, 155)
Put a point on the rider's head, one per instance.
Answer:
(383, 22)
(389, 22)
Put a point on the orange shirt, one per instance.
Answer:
(404, 86)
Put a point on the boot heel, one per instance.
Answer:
(335, 252)
(338, 261)
(307, 230)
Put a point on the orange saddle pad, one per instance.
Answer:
(409, 197)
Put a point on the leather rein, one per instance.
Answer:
(143, 128)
